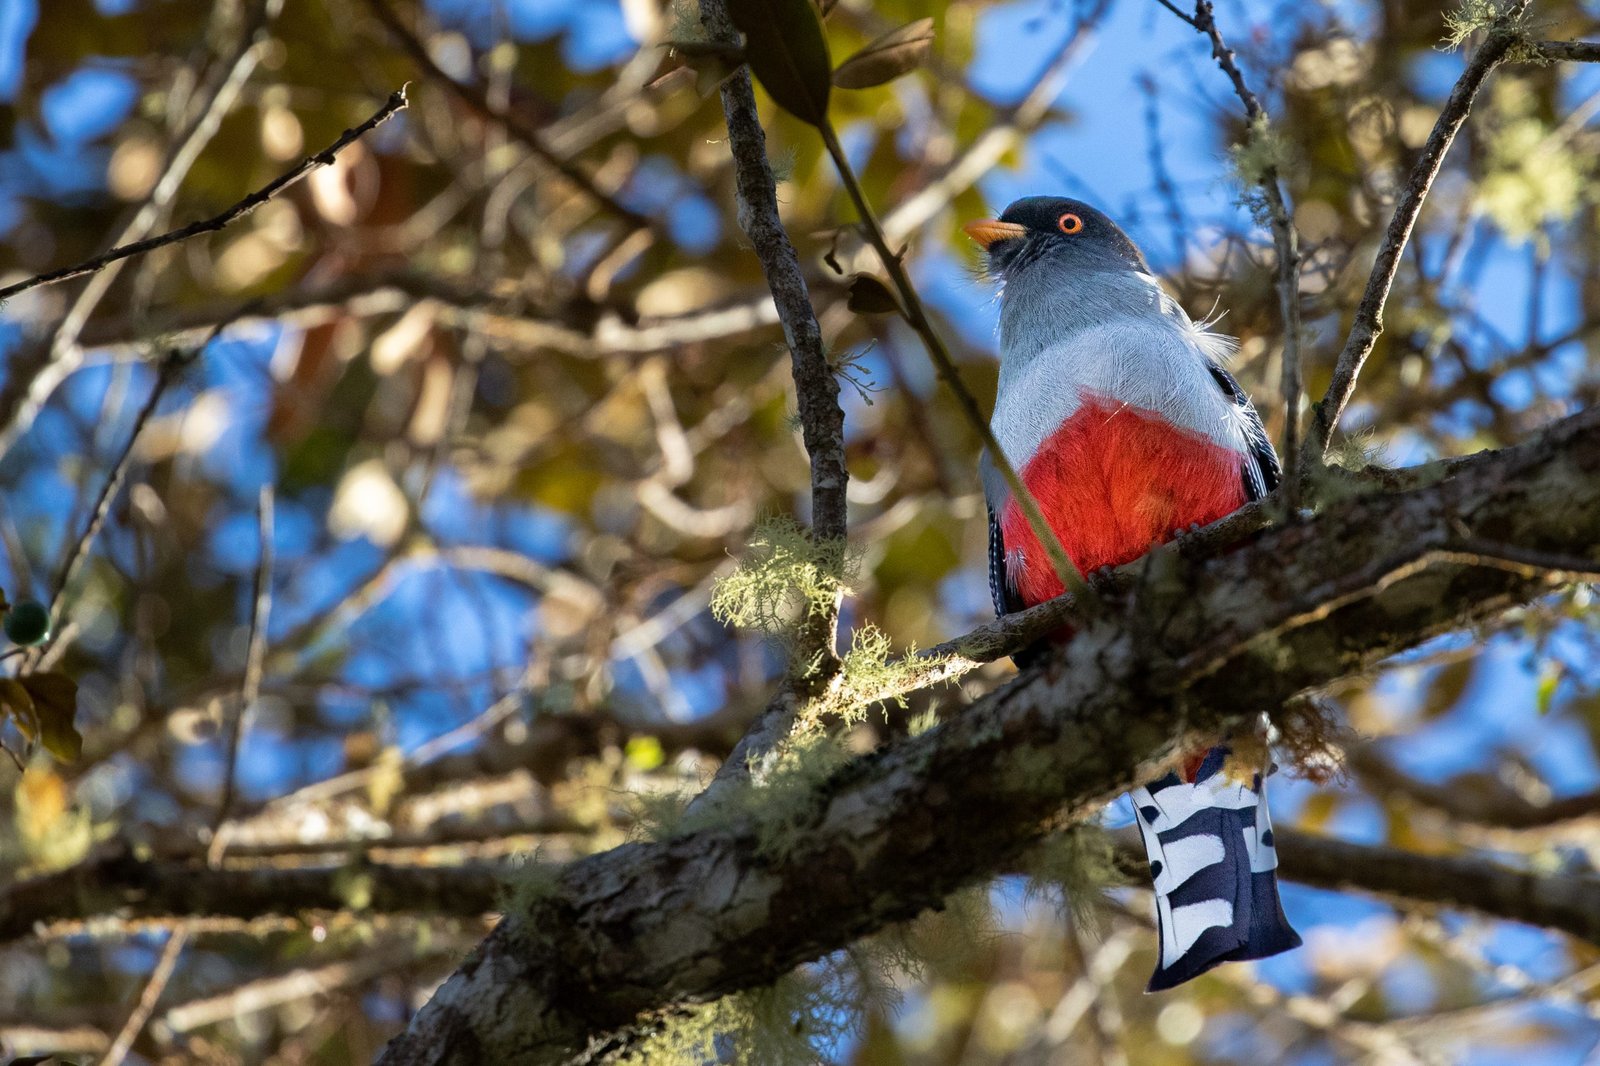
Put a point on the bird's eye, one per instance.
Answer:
(1069, 223)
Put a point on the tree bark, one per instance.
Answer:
(1192, 648)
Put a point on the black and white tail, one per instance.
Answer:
(1211, 856)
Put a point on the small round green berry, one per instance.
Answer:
(28, 622)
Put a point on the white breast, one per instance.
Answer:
(1153, 363)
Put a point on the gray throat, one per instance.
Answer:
(1042, 306)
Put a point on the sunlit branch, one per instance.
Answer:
(814, 659)
(391, 107)
(1368, 324)
(945, 366)
(1285, 239)
(886, 835)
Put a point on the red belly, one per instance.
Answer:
(1112, 482)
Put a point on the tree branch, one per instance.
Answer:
(1570, 903)
(391, 107)
(815, 659)
(119, 886)
(1568, 51)
(1286, 241)
(739, 902)
(917, 318)
(530, 138)
(1368, 324)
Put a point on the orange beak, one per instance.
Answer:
(987, 231)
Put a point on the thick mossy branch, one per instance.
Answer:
(880, 838)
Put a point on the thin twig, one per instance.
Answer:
(1286, 241)
(1170, 6)
(255, 659)
(159, 976)
(527, 135)
(35, 374)
(944, 365)
(78, 550)
(395, 104)
(178, 938)
(816, 395)
(1368, 322)
(999, 137)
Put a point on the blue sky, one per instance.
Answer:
(61, 150)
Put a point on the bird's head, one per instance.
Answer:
(1056, 234)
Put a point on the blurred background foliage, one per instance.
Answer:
(515, 442)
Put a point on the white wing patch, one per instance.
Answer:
(1183, 925)
(1184, 858)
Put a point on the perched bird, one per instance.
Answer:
(1116, 412)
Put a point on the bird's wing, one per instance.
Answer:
(1001, 589)
(1262, 471)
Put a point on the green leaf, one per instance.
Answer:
(895, 53)
(787, 53)
(645, 753)
(16, 702)
(55, 698)
(869, 296)
(1549, 681)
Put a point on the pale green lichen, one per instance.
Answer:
(789, 1023)
(784, 578)
(1358, 450)
(1532, 177)
(1257, 160)
(1472, 16)
(527, 884)
(1079, 863)
(780, 797)
(869, 672)
(785, 798)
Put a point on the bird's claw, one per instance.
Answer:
(1102, 580)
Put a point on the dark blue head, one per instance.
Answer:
(1069, 234)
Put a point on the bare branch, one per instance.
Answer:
(118, 883)
(391, 107)
(1285, 239)
(255, 660)
(148, 996)
(34, 375)
(816, 393)
(945, 366)
(78, 549)
(1568, 51)
(530, 138)
(1368, 323)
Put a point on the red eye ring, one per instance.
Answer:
(1069, 223)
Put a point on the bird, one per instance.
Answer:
(1118, 414)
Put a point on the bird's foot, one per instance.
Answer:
(1103, 580)
(1189, 540)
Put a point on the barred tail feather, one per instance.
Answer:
(1213, 865)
